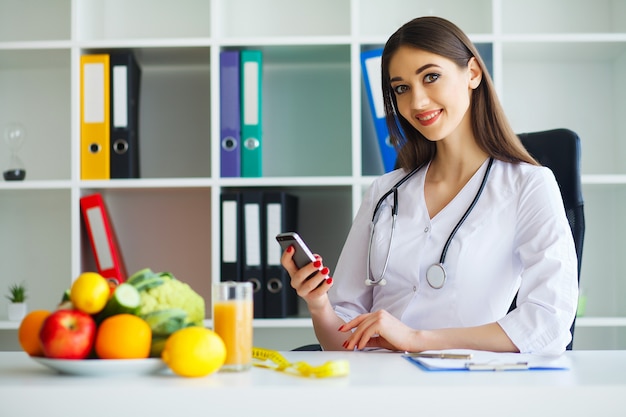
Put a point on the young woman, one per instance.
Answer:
(478, 221)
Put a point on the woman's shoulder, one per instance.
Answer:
(520, 171)
(522, 178)
(389, 179)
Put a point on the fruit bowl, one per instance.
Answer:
(103, 367)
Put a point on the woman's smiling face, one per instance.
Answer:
(432, 92)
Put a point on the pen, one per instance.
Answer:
(439, 355)
(496, 366)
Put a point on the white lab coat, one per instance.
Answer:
(517, 237)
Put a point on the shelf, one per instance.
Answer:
(35, 185)
(301, 323)
(169, 183)
(304, 323)
(601, 322)
(563, 66)
(609, 179)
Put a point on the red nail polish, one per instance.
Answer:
(340, 328)
(329, 280)
(325, 271)
(290, 249)
(317, 264)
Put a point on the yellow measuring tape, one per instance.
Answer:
(267, 358)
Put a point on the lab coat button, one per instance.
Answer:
(426, 229)
(414, 288)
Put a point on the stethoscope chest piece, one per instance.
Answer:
(436, 276)
(381, 282)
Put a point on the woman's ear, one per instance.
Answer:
(475, 73)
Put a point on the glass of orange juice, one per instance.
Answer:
(232, 320)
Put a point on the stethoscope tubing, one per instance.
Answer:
(439, 278)
(444, 252)
(394, 214)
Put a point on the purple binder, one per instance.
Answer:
(230, 114)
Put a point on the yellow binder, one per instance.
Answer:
(95, 151)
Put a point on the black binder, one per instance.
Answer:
(124, 104)
(231, 232)
(252, 242)
(280, 214)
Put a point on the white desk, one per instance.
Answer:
(380, 384)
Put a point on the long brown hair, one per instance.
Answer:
(490, 126)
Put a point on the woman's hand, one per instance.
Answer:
(311, 282)
(381, 330)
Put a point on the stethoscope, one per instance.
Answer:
(435, 274)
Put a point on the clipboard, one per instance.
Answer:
(474, 360)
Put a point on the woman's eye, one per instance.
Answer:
(431, 78)
(399, 89)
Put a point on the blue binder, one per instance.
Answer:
(370, 65)
(230, 114)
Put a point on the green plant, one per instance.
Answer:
(17, 293)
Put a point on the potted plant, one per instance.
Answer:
(17, 305)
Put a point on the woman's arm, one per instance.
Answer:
(548, 294)
(381, 329)
(326, 324)
(314, 290)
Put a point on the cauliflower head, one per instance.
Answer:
(173, 294)
(167, 304)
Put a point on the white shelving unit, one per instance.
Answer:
(556, 63)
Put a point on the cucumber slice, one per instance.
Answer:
(125, 300)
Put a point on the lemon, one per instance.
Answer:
(90, 292)
(194, 352)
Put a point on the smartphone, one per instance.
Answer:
(303, 254)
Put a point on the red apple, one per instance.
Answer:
(68, 334)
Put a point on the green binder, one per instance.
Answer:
(251, 133)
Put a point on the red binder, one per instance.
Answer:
(101, 234)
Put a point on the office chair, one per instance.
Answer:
(559, 150)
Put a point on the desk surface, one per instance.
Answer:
(380, 383)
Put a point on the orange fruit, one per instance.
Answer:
(90, 292)
(123, 336)
(194, 352)
(28, 332)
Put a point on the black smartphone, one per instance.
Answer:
(303, 254)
